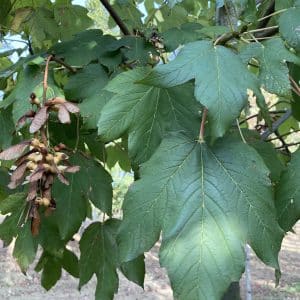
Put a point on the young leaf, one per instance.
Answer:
(287, 194)
(221, 81)
(146, 113)
(208, 202)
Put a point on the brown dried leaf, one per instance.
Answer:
(39, 120)
(14, 152)
(63, 115)
(71, 107)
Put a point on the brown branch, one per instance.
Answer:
(45, 81)
(116, 17)
(61, 62)
(202, 126)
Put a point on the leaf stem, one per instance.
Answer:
(116, 17)
(202, 125)
(61, 62)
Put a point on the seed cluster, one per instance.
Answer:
(37, 163)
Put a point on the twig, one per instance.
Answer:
(45, 87)
(261, 29)
(276, 125)
(116, 17)
(275, 112)
(45, 81)
(263, 22)
(282, 135)
(61, 62)
(272, 14)
(202, 126)
(287, 145)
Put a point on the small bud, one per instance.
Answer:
(31, 165)
(49, 157)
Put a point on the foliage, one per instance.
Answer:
(163, 90)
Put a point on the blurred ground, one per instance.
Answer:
(14, 285)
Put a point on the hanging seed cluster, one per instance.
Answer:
(37, 163)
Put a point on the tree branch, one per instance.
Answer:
(116, 17)
(61, 62)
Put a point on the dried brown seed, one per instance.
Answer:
(39, 120)
(15, 151)
(63, 115)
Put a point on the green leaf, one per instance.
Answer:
(70, 263)
(208, 202)
(29, 80)
(184, 34)
(7, 128)
(51, 272)
(99, 256)
(287, 194)
(272, 56)
(129, 14)
(295, 103)
(146, 113)
(92, 183)
(117, 153)
(289, 26)
(93, 77)
(135, 49)
(71, 19)
(221, 81)
(25, 247)
(134, 270)
(268, 153)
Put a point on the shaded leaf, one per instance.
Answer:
(70, 263)
(99, 256)
(208, 202)
(92, 183)
(51, 272)
(221, 81)
(272, 56)
(25, 247)
(289, 26)
(146, 113)
(287, 194)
